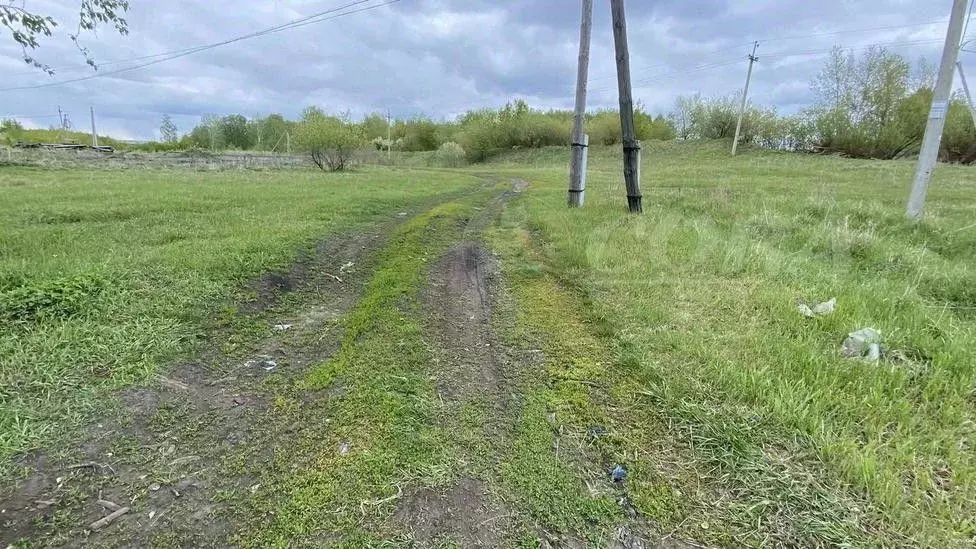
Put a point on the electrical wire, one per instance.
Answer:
(851, 31)
(308, 20)
(731, 48)
(15, 116)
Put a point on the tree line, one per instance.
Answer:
(872, 105)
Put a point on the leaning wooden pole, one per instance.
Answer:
(632, 146)
(577, 163)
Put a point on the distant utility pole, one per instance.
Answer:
(389, 137)
(63, 122)
(965, 87)
(94, 135)
(745, 95)
(577, 162)
(932, 140)
(632, 147)
(288, 142)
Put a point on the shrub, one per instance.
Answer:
(329, 141)
(487, 132)
(450, 155)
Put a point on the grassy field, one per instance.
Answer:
(501, 354)
(104, 275)
(701, 293)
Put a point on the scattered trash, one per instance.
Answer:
(238, 401)
(864, 343)
(826, 307)
(255, 488)
(619, 474)
(344, 447)
(152, 515)
(402, 214)
(154, 487)
(265, 362)
(818, 309)
(346, 267)
(282, 327)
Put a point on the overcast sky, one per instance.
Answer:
(441, 57)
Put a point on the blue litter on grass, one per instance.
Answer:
(618, 474)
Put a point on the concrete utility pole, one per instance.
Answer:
(965, 87)
(389, 137)
(929, 154)
(577, 162)
(745, 95)
(632, 146)
(94, 135)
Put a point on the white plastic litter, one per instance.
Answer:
(864, 344)
(818, 309)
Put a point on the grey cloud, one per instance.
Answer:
(440, 57)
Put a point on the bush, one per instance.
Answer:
(329, 141)
(487, 132)
(450, 155)
(604, 127)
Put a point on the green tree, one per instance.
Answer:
(328, 140)
(273, 128)
(235, 130)
(375, 125)
(28, 27)
(168, 130)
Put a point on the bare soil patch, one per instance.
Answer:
(460, 514)
(459, 304)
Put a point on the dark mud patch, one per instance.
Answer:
(459, 301)
(323, 266)
(181, 451)
(460, 514)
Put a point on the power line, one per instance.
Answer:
(850, 31)
(798, 37)
(291, 24)
(308, 20)
(968, 17)
(782, 54)
(856, 48)
(14, 116)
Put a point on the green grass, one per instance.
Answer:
(668, 343)
(700, 294)
(106, 275)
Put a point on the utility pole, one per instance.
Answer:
(745, 95)
(965, 87)
(632, 146)
(389, 137)
(932, 140)
(577, 162)
(94, 135)
(288, 142)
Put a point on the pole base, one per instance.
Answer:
(634, 204)
(576, 198)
